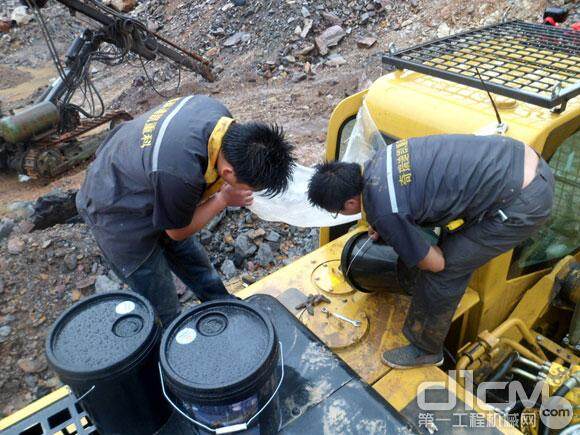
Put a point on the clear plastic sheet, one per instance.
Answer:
(293, 208)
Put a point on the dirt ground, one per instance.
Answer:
(260, 78)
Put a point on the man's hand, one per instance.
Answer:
(373, 234)
(434, 261)
(235, 197)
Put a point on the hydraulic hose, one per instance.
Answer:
(564, 389)
(503, 368)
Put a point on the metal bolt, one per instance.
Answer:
(577, 347)
(539, 337)
(566, 340)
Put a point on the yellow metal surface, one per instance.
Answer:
(328, 278)
(34, 407)
(400, 388)
(386, 312)
(407, 104)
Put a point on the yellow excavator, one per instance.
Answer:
(519, 319)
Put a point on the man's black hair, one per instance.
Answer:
(260, 155)
(333, 184)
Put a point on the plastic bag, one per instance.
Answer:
(293, 207)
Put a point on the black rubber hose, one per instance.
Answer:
(503, 368)
(564, 389)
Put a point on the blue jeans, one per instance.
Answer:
(189, 261)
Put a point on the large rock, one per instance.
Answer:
(244, 248)
(228, 268)
(236, 38)
(103, 284)
(265, 256)
(57, 207)
(6, 227)
(15, 245)
(329, 38)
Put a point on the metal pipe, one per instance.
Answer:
(534, 365)
(521, 349)
(524, 330)
(524, 374)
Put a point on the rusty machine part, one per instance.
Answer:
(40, 141)
(55, 155)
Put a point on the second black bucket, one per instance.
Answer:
(221, 365)
(369, 266)
(106, 349)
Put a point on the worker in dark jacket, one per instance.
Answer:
(160, 178)
(498, 187)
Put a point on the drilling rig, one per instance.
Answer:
(41, 140)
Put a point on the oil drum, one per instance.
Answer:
(222, 368)
(105, 348)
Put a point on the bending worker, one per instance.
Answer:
(498, 186)
(161, 177)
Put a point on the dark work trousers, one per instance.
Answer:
(436, 295)
(189, 261)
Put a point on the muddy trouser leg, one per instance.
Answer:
(437, 295)
(189, 261)
(154, 281)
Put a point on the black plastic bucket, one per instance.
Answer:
(370, 266)
(221, 365)
(105, 348)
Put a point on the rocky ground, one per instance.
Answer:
(288, 61)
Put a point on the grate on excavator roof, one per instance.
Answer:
(534, 63)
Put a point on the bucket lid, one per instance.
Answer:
(218, 351)
(101, 335)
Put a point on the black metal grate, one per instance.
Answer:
(534, 63)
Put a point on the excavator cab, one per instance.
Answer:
(518, 324)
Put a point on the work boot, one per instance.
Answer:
(409, 357)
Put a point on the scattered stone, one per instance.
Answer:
(85, 283)
(273, 236)
(329, 38)
(298, 77)
(5, 26)
(15, 245)
(31, 365)
(5, 331)
(443, 30)
(21, 209)
(306, 29)
(70, 261)
(364, 18)
(123, 5)
(335, 60)
(103, 284)
(366, 42)
(239, 2)
(265, 256)
(248, 279)
(331, 19)
(24, 227)
(258, 232)
(304, 50)
(244, 248)
(236, 38)
(305, 12)
(21, 16)
(6, 227)
(205, 236)
(46, 244)
(228, 268)
(76, 295)
(30, 381)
